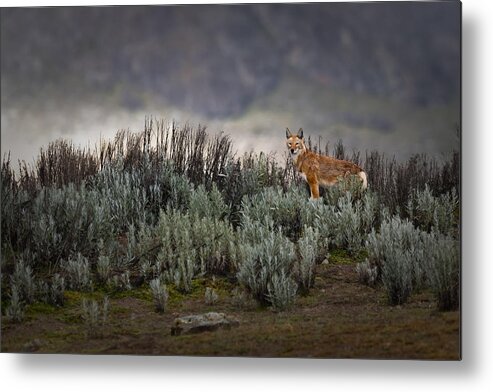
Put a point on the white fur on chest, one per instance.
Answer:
(303, 175)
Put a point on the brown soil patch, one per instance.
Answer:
(340, 318)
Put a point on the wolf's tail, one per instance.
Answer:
(362, 175)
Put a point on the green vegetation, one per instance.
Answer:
(170, 215)
(159, 294)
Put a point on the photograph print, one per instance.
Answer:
(262, 180)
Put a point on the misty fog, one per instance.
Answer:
(378, 76)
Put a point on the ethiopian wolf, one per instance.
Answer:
(320, 170)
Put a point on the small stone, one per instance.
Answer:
(32, 346)
(325, 262)
(197, 323)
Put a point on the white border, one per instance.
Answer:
(139, 374)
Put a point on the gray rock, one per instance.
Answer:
(32, 346)
(325, 262)
(197, 323)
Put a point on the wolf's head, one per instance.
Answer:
(295, 143)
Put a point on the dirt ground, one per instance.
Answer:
(339, 318)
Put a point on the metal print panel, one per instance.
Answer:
(268, 180)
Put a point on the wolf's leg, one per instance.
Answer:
(315, 193)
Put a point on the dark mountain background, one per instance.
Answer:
(344, 67)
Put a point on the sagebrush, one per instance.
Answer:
(170, 205)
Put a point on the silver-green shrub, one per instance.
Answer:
(53, 292)
(90, 313)
(130, 248)
(397, 251)
(190, 245)
(370, 211)
(248, 176)
(145, 268)
(68, 219)
(434, 213)
(160, 294)
(319, 216)
(334, 193)
(305, 265)
(46, 237)
(23, 280)
(397, 276)
(367, 273)
(162, 186)
(281, 291)
(347, 223)
(263, 253)
(94, 315)
(103, 268)
(182, 273)
(57, 289)
(15, 309)
(117, 200)
(284, 209)
(408, 259)
(177, 255)
(121, 282)
(210, 296)
(443, 269)
(174, 189)
(111, 251)
(215, 242)
(14, 201)
(78, 273)
(207, 204)
(124, 196)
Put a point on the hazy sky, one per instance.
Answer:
(376, 75)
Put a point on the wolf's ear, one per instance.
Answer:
(300, 133)
(288, 133)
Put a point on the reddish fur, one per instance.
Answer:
(320, 170)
